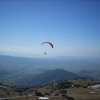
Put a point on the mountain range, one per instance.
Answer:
(19, 70)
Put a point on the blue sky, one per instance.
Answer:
(73, 26)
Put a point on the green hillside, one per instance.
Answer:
(48, 77)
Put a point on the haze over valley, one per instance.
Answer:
(15, 70)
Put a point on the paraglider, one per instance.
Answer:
(49, 44)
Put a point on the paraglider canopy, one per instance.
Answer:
(48, 43)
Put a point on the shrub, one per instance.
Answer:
(38, 94)
(63, 91)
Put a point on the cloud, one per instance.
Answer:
(79, 51)
(18, 49)
(66, 47)
(66, 51)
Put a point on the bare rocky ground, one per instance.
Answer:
(76, 89)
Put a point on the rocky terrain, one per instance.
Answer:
(76, 89)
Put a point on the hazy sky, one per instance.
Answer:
(73, 26)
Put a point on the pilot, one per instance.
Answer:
(45, 53)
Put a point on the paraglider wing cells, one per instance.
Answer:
(48, 43)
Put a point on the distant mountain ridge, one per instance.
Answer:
(19, 70)
(49, 77)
